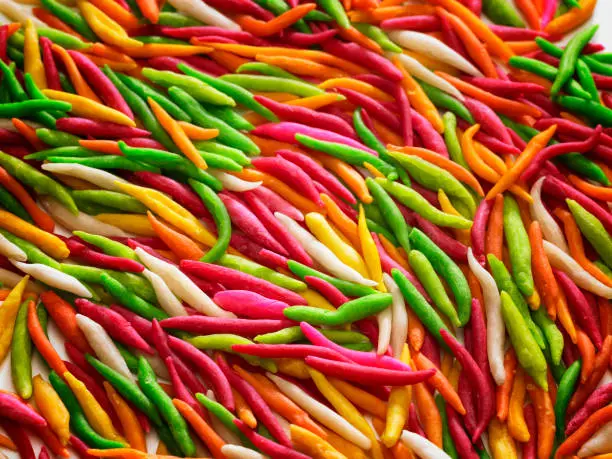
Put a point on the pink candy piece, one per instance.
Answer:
(550, 6)
(305, 40)
(383, 113)
(10, 138)
(180, 390)
(208, 368)
(479, 228)
(287, 172)
(488, 120)
(428, 135)
(276, 228)
(233, 279)
(282, 351)
(13, 408)
(286, 131)
(51, 73)
(362, 358)
(318, 173)
(160, 341)
(260, 408)
(510, 33)
(276, 203)
(250, 304)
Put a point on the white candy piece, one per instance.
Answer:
(561, 260)
(240, 452)
(15, 12)
(321, 253)
(204, 13)
(10, 279)
(98, 177)
(321, 413)
(433, 48)
(167, 300)
(10, 250)
(496, 330)
(53, 278)
(80, 222)
(418, 70)
(422, 446)
(399, 329)
(103, 345)
(550, 229)
(182, 286)
(233, 183)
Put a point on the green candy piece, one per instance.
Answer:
(225, 341)
(504, 281)
(593, 230)
(41, 183)
(178, 426)
(346, 287)
(502, 12)
(433, 285)
(421, 206)
(528, 352)
(351, 311)
(435, 178)
(553, 335)
(426, 314)
(130, 300)
(449, 270)
(198, 89)
(519, 247)
(262, 272)
(108, 246)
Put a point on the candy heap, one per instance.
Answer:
(342, 229)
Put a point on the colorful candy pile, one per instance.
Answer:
(337, 229)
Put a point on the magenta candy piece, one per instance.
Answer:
(231, 278)
(358, 54)
(242, 327)
(428, 135)
(333, 295)
(479, 227)
(247, 221)
(420, 23)
(101, 84)
(259, 406)
(114, 323)
(559, 189)
(93, 128)
(488, 120)
(307, 116)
